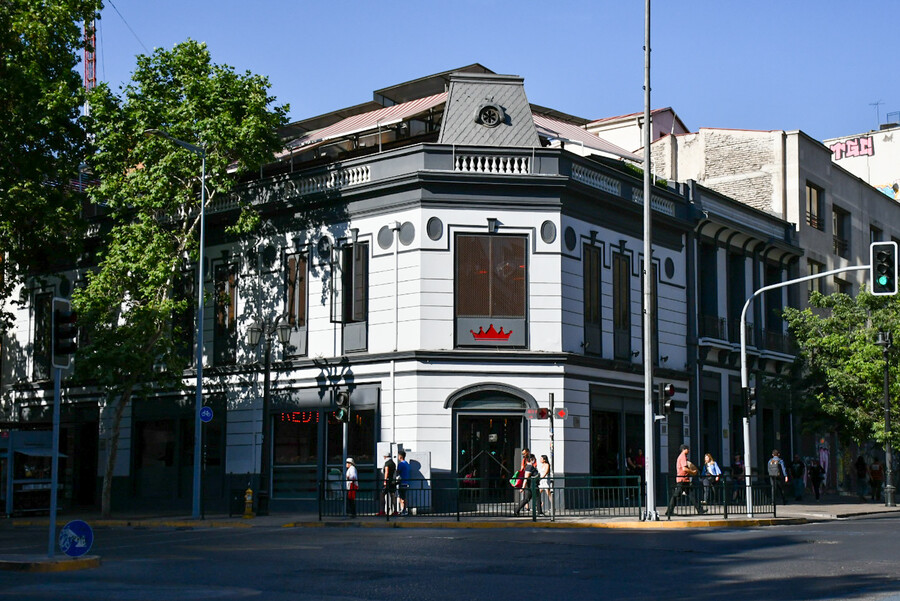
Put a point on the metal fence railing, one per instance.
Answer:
(459, 498)
(727, 497)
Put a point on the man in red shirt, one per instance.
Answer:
(683, 483)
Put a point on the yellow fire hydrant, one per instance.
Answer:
(248, 503)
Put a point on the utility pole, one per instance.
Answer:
(649, 419)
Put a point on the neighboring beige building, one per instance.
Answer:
(873, 156)
(791, 175)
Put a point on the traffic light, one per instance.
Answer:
(666, 398)
(750, 402)
(883, 268)
(65, 333)
(543, 413)
(343, 405)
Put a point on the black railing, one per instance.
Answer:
(712, 326)
(607, 496)
(724, 497)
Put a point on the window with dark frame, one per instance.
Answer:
(841, 231)
(225, 325)
(490, 276)
(814, 207)
(593, 318)
(817, 284)
(296, 290)
(355, 282)
(622, 306)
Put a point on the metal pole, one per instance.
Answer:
(198, 401)
(552, 462)
(54, 466)
(266, 442)
(649, 421)
(888, 453)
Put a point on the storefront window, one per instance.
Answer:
(296, 438)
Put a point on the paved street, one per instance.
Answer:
(840, 559)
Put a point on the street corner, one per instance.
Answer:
(37, 563)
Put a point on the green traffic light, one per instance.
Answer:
(882, 280)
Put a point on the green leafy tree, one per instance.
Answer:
(841, 367)
(41, 135)
(150, 188)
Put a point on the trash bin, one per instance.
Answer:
(262, 503)
(236, 502)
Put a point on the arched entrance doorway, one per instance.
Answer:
(489, 429)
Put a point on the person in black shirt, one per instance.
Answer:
(389, 487)
(529, 476)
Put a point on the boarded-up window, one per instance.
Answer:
(490, 276)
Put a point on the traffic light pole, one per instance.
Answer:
(744, 374)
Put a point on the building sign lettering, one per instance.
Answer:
(854, 147)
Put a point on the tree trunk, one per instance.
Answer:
(111, 452)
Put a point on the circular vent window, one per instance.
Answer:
(490, 115)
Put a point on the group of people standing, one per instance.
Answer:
(394, 488)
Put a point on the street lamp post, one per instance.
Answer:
(198, 401)
(884, 341)
(254, 333)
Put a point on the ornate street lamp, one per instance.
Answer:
(254, 333)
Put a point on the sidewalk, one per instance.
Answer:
(831, 507)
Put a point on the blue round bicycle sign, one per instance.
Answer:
(206, 414)
(76, 538)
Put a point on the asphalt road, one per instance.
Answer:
(848, 559)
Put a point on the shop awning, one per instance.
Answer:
(37, 452)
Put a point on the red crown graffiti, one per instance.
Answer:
(491, 334)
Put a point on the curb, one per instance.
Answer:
(33, 563)
(638, 525)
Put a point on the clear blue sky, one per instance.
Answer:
(812, 65)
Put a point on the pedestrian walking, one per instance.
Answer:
(684, 470)
(389, 486)
(798, 469)
(737, 477)
(544, 486)
(876, 478)
(352, 478)
(403, 470)
(816, 476)
(710, 476)
(778, 475)
(862, 477)
(529, 475)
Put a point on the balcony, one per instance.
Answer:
(815, 221)
(711, 326)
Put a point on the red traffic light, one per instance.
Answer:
(543, 413)
(561, 413)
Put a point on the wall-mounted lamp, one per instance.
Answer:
(622, 245)
(664, 358)
(635, 353)
(493, 225)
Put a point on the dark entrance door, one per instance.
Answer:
(489, 448)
